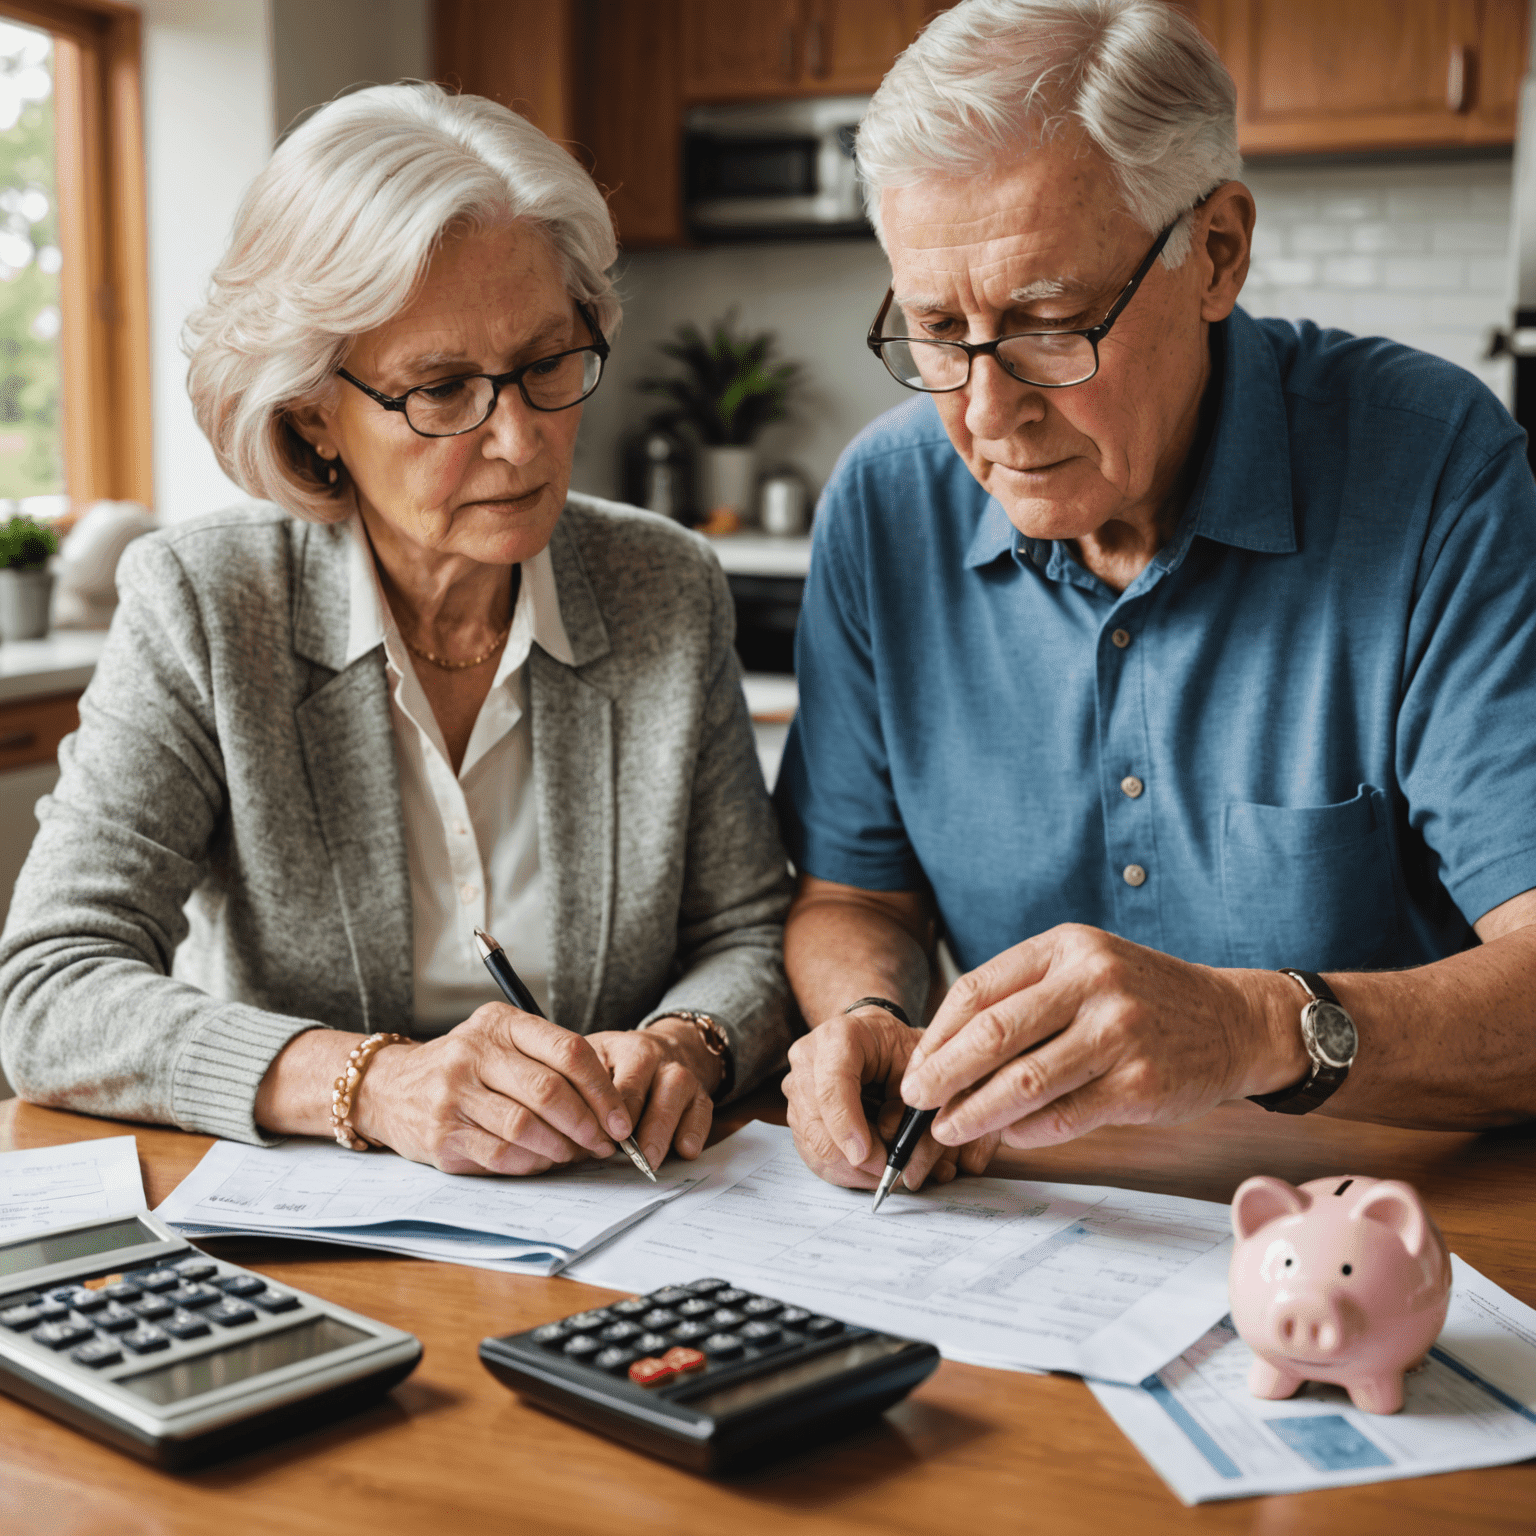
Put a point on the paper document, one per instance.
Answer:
(1472, 1405)
(60, 1186)
(1003, 1272)
(314, 1189)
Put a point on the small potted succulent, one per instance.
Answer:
(728, 391)
(26, 583)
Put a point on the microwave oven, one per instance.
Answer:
(778, 168)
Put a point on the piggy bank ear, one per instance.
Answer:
(1260, 1200)
(1396, 1206)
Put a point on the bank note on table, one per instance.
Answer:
(315, 1189)
(1001, 1272)
(62, 1186)
(1472, 1405)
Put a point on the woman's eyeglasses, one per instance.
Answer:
(454, 406)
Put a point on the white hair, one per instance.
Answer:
(334, 238)
(990, 77)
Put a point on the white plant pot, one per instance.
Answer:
(727, 480)
(24, 600)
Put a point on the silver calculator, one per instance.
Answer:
(124, 1330)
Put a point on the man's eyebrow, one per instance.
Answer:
(921, 301)
(1047, 288)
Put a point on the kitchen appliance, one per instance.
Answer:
(778, 168)
(1519, 342)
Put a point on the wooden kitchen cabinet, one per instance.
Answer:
(1321, 77)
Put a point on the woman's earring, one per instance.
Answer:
(335, 467)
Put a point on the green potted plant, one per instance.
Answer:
(26, 583)
(729, 389)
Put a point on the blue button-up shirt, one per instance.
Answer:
(1304, 735)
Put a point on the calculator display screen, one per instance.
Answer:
(205, 1373)
(745, 1394)
(38, 1251)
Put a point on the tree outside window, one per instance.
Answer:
(31, 449)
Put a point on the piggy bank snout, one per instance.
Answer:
(1314, 1326)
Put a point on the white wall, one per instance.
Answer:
(220, 78)
(320, 47)
(1415, 251)
(207, 131)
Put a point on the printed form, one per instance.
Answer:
(1472, 1405)
(63, 1186)
(1000, 1272)
(318, 1190)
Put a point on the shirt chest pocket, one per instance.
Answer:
(1310, 887)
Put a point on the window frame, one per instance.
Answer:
(108, 440)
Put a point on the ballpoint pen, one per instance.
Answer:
(914, 1122)
(516, 992)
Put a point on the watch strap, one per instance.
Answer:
(1322, 1080)
(895, 1010)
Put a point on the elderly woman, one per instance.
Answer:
(419, 688)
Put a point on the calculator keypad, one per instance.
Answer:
(106, 1325)
(678, 1330)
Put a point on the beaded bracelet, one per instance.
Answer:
(345, 1089)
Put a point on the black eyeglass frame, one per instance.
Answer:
(974, 349)
(598, 344)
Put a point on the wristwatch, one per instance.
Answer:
(1331, 1040)
(714, 1040)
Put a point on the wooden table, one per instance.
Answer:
(971, 1450)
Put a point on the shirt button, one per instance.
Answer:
(1121, 637)
(1131, 785)
(467, 893)
(459, 829)
(1135, 874)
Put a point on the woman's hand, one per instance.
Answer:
(503, 1092)
(664, 1077)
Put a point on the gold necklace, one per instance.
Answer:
(460, 666)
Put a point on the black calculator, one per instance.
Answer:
(709, 1376)
(123, 1329)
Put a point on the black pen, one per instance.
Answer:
(516, 992)
(914, 1122)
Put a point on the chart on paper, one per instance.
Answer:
(998, 1271)
(60, 1186)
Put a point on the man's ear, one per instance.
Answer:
(1225, 230)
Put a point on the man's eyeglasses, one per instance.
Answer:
(1046, 359)
(553, 383)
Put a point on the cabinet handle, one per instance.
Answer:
(1456, 94)
(816, 50)
(18, 741)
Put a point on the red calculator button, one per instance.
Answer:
(651, 1372)
(681, 1359)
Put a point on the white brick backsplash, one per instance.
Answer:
(1319, 239)
(1472, 238)
(1349, 272)
(1418, 252)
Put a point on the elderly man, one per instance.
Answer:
(1158, 657)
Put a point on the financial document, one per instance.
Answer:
(61, 1186)
(1002, 1272)
(315, 1189)
(1472, 1405)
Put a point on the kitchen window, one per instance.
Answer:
(74, 307)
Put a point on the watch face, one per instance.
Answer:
(1330, 1032)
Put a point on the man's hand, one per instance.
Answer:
(828, 1070)
(1075, 1029)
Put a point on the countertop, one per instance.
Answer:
(761, 554)
(62, 663)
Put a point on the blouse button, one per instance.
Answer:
(1121, 637)
(1131, 785)
(1135, 874)
(467, 893)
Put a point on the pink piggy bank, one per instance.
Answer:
(1344, 1280)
